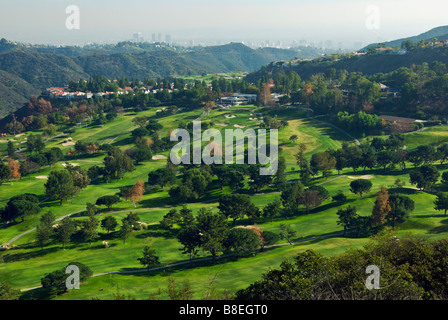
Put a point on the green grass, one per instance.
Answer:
(27, 264)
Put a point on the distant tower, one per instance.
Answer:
(137, 37)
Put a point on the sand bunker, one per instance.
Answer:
(73, 164)
(239, 126)
(42, 177)
(228, 116)
(159, 157)
(362, 177)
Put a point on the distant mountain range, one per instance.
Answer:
(27, 70)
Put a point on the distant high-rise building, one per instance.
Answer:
(168, 38)
(138, 37)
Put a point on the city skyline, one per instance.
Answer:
(342, 22)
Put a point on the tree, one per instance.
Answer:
(170, 219)
(149, 259)
(53, 156)
(162, 177)
(441, 202)
(424, 177)
(236, 206)
(117, 164)
(7, 292)
(80, 176)
(20, 206)
(213, 230)
(10, 150)
(293, 138)
(346, 217)
(125, 230)
(137, 191)
(190, 238)
(14, 167)
(242, 240)
(186, 215)
(5, 173)
(44, 230)
(286, 232)
(43, 233)
(310, 199)
(90, 228)
(360, 186)
(272, 210)
(291, 198)
(340, 197)
(381, 208)
(109, 224)
(401, 206)
(141, 155)
(60, 185)
(268, 238)
(66, 229)
(322, 162)
(55, 281)
(107, 201)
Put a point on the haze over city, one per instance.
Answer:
(204, 22)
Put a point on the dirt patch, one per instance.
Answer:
(159, 157)
(362, 177)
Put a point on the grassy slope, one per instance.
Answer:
(28, 264)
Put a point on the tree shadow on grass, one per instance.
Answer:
(36, 294)
(440, 229)
(14, 257)
(155, 231)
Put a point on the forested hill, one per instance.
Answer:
(367, 64)
(439, 33)
(37, 70)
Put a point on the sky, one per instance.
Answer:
(110, 21)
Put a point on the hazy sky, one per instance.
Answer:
(44, 21)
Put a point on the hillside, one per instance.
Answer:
(14, 92)
(366, 64)
(441, 33)
(41, 70)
